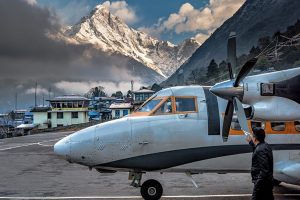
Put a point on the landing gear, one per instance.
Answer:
(151, 190)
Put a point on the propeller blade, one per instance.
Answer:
(244, 71)
(241, 114)
(231, 76)
(227, 121)
(231, 52)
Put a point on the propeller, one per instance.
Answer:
(233, 90)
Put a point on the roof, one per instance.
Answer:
(40, 109)
(144, 91)
(120, 105)
(105, 98)
(69, 98)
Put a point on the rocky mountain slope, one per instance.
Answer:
(255, 19)
(109, 33)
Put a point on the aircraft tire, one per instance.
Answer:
(151, 190)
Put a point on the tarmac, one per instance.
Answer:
(30, 170)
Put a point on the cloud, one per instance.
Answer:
(39, 90)
(201, 37)
(28, 55)
(190, 19)
(31, 2)
(122, 10)
(82, 87)
(73, 11)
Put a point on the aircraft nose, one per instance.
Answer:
(62, 148)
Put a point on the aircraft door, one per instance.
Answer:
(188, 123)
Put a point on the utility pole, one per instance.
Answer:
(49, 93)
(132, 82)
(35, 94)
(16, 101)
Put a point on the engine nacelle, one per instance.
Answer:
(274, 109)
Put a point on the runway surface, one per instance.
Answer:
(30, 170)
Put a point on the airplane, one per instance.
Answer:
(179, 129)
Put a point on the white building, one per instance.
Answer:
(64, 111)
(67, 110)
(119, 110)
(40, 117)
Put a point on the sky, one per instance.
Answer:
(28, 55)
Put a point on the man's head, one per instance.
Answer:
(259, 135)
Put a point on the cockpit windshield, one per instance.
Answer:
(149, 105)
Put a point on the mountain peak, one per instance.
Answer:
(109, 33)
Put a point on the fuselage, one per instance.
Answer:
(177, 130)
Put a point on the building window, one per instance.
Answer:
(278, 126)
(74, 115)
(60, 125)
(60, 115)
(185, 104)
(125, 112)
(49, 115)
(297, 125)
(117, 113)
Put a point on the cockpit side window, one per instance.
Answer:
(150, 105)
(165, 108)
(185, 104)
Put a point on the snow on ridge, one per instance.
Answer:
(109, 33)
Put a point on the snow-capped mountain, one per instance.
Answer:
(109, 33)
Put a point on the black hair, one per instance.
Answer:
(259, 134)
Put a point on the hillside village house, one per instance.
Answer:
(140, 96)
(119, 110)
(65, 110)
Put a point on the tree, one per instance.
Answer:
(263, 42)
(212, 69)
(262, 64)
(129, 94)
(197, 76)
(254, 51)
(97, 91)
(155, 87)
(119, 94)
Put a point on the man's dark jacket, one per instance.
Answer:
(262, 163)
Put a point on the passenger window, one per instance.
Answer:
(235, 125)
(256, 124)
(278, 126)
(185, 104)
(297, 125)
(165, 108)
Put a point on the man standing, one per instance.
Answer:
(262, 166)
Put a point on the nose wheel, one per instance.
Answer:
(151, 190)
